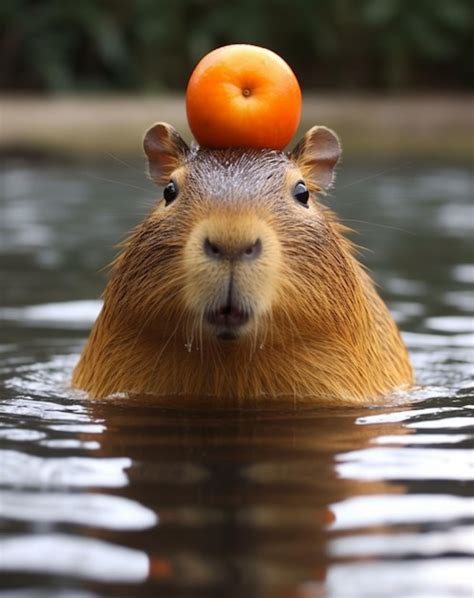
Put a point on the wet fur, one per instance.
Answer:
(325, 335)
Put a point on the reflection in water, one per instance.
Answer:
(280, 502)
(112, 498)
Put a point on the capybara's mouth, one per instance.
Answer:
(227, 320)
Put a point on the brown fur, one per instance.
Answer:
(320, 331)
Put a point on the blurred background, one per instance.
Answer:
(392, 76)
(152, 45)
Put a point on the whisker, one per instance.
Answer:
(265, 325)
(171, 336)
(120, 161)
(253, 342)
(401, 230)
(201, 345)
(188, 333)
(105, 180)
(375, 175)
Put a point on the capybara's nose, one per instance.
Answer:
(246, 252)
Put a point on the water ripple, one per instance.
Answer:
(406, 463)
(381, 510)
(454, 540)
(99, 510)
(74, 556)
(30, 471)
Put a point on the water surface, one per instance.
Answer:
(108, 498)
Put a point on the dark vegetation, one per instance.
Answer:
(152, 45)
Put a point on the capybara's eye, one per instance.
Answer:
(170, 192)
(301, 193)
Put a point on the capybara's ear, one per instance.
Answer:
(317, 155)
(165, 150)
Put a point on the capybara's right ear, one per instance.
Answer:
(317, 155)
(165, 150)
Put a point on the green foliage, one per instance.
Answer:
(61, 45)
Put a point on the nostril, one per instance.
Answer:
(217, 251)
(211, 249)
(253, 251)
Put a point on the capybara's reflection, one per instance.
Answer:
(244, 498)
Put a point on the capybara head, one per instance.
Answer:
(237, 241)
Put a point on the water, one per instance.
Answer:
(104, 498)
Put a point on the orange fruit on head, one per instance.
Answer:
(243, 96)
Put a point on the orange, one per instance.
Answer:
(243, 96)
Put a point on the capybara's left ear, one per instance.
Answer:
(317, 155)
(165, 150)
